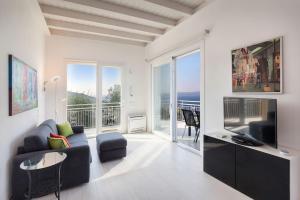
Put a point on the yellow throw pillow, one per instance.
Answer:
(57, 143)
(65, 129)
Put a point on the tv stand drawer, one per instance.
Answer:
(262, 176)
(219, 160)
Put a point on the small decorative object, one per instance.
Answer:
(23, 89)
(284, 152)
(258, 68)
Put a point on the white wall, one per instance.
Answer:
(22, 33)
(131, 59)
(233, 24)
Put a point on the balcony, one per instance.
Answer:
(85, 115)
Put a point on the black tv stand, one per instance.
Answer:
(258, 172)
(246, 140)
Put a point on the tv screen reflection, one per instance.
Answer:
(252, 117)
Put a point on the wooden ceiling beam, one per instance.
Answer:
(123, 10)
(98, 30)
(62, 12)
(173, 6)
(94, 37)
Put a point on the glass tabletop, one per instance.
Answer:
(43, 161)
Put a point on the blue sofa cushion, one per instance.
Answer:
(77, 140)
(51, 124)
(37, 141)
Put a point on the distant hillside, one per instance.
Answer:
(80, 98)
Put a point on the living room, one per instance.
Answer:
(156, 165)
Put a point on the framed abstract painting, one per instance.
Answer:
(258, 68)
(23, 89)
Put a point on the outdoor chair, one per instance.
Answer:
(198, 119)
(190, 122)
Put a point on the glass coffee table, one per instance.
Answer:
(39, 163)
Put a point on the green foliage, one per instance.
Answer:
(79, 98)
(114, 94)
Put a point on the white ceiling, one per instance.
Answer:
(135, 22)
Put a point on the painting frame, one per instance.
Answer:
(22, 86)
(276, 57)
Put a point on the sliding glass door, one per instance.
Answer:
(188, 99)
(176, 110)
(161, 99)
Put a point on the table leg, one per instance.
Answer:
(28, 196)
(58, 190)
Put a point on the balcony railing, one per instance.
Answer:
(187, 105)
(85, 114)
(252, 108)
(181, 104)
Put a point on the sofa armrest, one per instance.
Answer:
(77, 154)
(75, 169)
(78, 129)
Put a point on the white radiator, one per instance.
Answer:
(137, 123)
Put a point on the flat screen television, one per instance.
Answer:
(255, 118)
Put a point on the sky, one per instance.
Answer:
(82, 78)
(188, 73)
(110, 76)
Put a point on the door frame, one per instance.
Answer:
(87, 62)
(198, 46)
(99, 66)
(170, 58)
(183, 54)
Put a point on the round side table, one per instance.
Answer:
(41, 162)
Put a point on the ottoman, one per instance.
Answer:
(111, 146)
